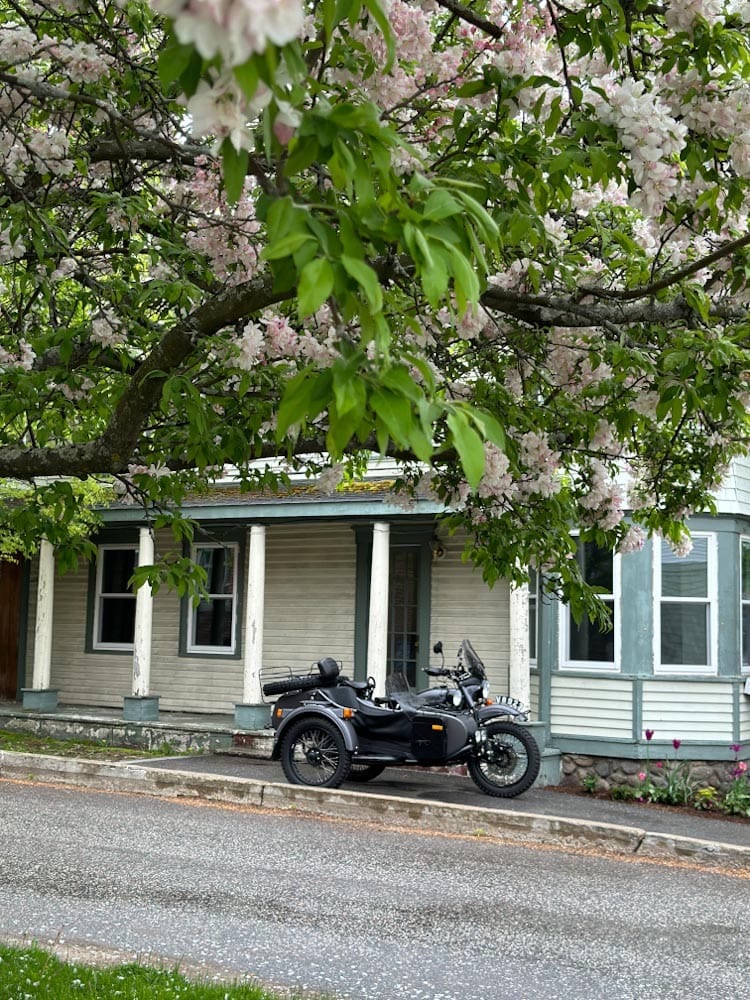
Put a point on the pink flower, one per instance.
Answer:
(676, 744)
(735, 747)
(742, 766)
(649, 734)
(659, 764)
(642, 776)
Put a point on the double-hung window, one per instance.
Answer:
(212, 624)
(686, 607)
(114, 607)
(587, 646)
(745, 602)
(533, 613)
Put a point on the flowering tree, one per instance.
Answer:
(506, 241)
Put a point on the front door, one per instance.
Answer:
(403, 611)
(11, 575)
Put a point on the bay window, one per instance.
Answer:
(586, 645)
(685, 587)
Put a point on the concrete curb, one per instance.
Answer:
(440, 817)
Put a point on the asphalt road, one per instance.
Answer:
(359, 912)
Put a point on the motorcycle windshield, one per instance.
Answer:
(470, 660)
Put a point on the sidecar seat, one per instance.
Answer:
(328, 669)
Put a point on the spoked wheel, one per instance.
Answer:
(313, 753)
(365, 772)
(507, 763)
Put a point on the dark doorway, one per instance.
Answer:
(11, 577)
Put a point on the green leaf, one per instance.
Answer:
(234, 169)
(173, 61)
(315, 285)
(395, 412)
(305, 396)
(366, 278)
(286, 246)
(469, 447)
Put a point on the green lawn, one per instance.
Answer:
(34, 974)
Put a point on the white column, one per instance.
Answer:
(144, 604)
(45, 595)
(377, 634)
(519, 683)
(254, 612)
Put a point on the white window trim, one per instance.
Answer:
(595, 666)
(98, 595)
(215, 650)
(696, 669)
(744, 667)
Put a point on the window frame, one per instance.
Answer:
(96, 643)
(533, 598)
(711, 600)
(595, 666)
(744, 667)
(193, 649)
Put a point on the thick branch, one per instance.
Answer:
(551, 310)
(114, 449)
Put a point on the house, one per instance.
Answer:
(304, 574)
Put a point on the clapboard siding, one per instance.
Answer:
(744, 718)
(688, 710)
(733, 496)
(310, 587)
(535, 696)
(591, 706)
(464, 607)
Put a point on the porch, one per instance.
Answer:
(181, 731)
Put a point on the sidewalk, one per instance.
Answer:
(411, 798)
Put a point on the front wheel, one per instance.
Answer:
(507, 763)
(313, 753)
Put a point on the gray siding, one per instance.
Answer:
(688, 710)
(592, 706)
(464, 607)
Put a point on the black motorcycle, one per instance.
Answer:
(329, 729)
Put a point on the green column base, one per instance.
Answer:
(39, 699)
(140, 708)
(252, 717)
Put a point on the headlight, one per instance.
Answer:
(457, 699)
(485, 690)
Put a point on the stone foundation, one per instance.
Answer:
(613, 771)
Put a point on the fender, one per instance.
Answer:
(488, 713)
(324, 711)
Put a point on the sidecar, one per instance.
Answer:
(330, 730)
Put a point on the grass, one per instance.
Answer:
(92, 749)
(34, 974)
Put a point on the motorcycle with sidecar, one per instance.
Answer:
(329, 729)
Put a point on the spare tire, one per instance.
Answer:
(304, 682)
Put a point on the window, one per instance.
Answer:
(745, 602)
(685, 587)
(212, 624)
(533, 611)
(585, 645)
(114, 608)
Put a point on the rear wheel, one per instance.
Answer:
(365, 772)
(313, 753)
(507, 763)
